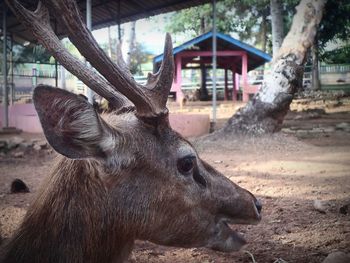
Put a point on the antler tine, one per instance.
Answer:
(116, 74)
(160, 83)
(81, 37)
(38, 22)
(120, 61)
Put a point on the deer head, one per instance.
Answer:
(147, 180)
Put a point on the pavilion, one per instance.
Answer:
(98, 14)
(232, 54)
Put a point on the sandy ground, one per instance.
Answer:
(285, 171)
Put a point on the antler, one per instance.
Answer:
(149, 100)
(38, 22)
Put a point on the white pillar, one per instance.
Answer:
(4, 67)
(90, 93)
(214, 63)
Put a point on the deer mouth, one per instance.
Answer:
(241, 221)
(226, 239)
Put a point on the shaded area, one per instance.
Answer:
(104, 13)
(285, 172)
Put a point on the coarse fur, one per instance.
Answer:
(124, 176)
(121, 181)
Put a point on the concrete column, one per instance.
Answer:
(63, 77)
(245, 76)
(236, 83)
(214, 65)
(245, 69)
(234, 88)
(12, 91)
(4, 67)
(226, 87)
(178, 79)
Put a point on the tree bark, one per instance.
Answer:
(276, 24)
(202, 26)
(316, 85)
(263, 33)
(203, 93)
(266, 111)
(132, 43)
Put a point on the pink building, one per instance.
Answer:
(233, 56)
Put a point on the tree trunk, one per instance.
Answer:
(203, 92)
(316, 85)
(132, 43)
(266, 111)
(276, 24)
(202, 26)
(263, 33)
(263, 38)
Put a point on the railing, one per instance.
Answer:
(337, 68)
(25, 75)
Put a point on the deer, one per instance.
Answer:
(122, 176)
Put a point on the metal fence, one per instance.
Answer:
(337, 68)
(22, 78)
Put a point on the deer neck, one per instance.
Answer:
(70, 220)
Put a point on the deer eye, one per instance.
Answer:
(185, 165)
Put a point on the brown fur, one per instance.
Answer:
(131, 176)
(127, 186)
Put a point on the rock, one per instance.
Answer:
(41, 143)
(37, 147)
(302, 134)
(319, 206)
(33, 141)
(25, 145)
(17, 154)
(344, 209)
(3, 144)
(337, 257)
(287, 130)
(316, 130)
(342, 126)
(328, 129)
(218, 161)
(18, 186)
(14, 142)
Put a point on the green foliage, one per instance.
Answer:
(337, 56)
(247, 18)
(335, 27)
(335, 24)
(30, 54)
(138, 56)
(198, 20)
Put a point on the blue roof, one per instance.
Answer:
(236, 45)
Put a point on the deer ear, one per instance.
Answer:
(70, 123)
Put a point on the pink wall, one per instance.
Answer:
(249, 89)
(24, 117)
(190, 125)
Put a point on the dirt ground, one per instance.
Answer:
(286, 171)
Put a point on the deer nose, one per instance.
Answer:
(258, 206)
